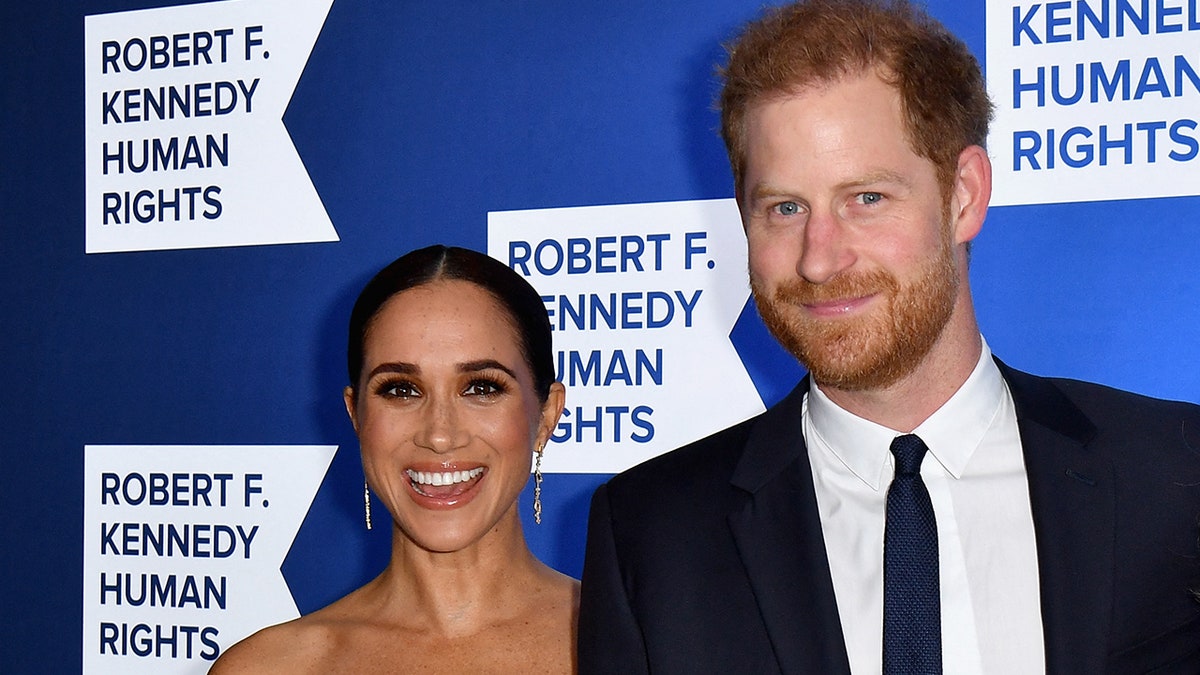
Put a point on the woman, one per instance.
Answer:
(452, 393)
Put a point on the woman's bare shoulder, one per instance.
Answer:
(297, 646)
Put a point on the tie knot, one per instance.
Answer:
(909, 450)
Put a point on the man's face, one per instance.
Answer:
(852, 261)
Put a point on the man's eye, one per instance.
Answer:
(787, 208)
(870, 198)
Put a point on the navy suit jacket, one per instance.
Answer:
(710, 558)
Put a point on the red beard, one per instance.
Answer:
(871, 351)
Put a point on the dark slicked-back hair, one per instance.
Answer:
(815, 42)
(524, 306)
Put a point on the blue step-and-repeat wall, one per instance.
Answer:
(193, 194)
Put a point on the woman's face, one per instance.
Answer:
(446, 413)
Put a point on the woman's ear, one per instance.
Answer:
(551, 411)
(349, 398)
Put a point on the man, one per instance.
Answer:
(1066, 512)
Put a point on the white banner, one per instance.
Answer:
(186, 146)
(642, 299)
(182, 547)
(1095, 100)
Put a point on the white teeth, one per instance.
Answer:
(443, 477)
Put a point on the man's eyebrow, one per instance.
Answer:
(768, 190)
(880, 176)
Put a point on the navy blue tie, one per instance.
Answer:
(912, 615)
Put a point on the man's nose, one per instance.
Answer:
(825, 248)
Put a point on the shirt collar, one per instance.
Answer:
(952, 433)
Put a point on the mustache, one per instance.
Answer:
(844, 286)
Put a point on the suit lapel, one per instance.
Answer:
(1071, 492)
(778, 534)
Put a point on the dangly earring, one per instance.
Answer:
(367, 503)
(537, 486)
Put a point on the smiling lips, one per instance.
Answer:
(443, 488)
(839, 307)
(844, 295)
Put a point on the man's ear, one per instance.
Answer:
(971, 193)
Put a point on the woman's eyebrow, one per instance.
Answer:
(485, 364)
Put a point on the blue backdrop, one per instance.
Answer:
(414, 120)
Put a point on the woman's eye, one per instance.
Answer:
(398, 390)
(869, 198)
(787, 208)
(483, 388)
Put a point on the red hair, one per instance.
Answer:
(811, 42)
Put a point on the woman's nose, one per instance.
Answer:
(441, 429)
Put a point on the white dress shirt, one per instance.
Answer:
(975, 473)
